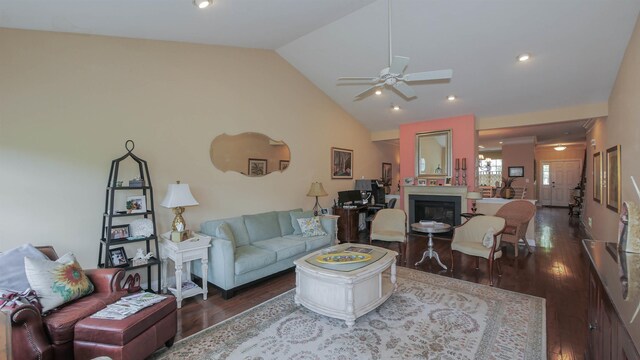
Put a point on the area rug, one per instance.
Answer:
(428, 317)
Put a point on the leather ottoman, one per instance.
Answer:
(134, 337)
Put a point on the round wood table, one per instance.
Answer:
(430, 230)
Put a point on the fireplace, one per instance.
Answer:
(441, 208)
(438, 203)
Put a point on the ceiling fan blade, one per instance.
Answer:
(366, 92)
(357, 78)
(429, 75)
(404, 90)
(398, 64)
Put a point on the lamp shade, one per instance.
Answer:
(363, 185)
(472, 195)
(178, 195)
(316, 189)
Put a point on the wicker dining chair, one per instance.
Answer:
(517, 213)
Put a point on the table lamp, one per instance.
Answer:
(178, 196)
(473, 196)
(364, 185)
(316, 190)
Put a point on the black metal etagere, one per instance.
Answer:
(106, 242)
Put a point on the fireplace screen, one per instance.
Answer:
(439, 208)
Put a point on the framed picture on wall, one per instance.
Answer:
(516, 171)
(597, 177)
(341, 163)
(613, 180)
(386, 173)
(257, 167)
(284, 164)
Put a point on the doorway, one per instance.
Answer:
(557, 181)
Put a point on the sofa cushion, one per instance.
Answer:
(262, 226)
(57, 282)
(249, 258)
(237, 227)
(311, 227)
(295, 215)
(61, 322)
(312, 243)
(283, 247)
(284, 219)
(12, 275)
(223, 231)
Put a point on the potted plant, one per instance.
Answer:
(507, 192)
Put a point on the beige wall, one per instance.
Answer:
(69, 102)
(520, 155)
(621, 127)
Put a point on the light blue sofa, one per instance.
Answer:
(261, 245)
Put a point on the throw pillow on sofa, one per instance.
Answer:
(295, 215)
(223, 231)
(57, 282)
(12, 275)
(311, 227)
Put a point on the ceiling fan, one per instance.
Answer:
(394, 75)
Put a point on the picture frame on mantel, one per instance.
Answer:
(597, 177)
(613, 179)
(341, 163)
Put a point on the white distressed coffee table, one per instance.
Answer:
(346, 291)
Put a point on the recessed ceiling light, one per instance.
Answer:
(559, 148)
(524, 57)
(378, 92)
(451, 97)
(501, 142)
(480, 147)
(201, 4)
(395, 107)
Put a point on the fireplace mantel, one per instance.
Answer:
(460, 191)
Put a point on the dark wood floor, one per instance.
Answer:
(556, 271)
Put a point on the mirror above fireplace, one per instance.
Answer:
(433, 154)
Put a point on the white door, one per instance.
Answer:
(558, 179)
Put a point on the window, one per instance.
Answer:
(489, 172)
(546, 174)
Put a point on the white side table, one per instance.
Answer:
(182, 252)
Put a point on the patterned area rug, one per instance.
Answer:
(428, 317)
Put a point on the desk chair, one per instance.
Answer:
(390, 225)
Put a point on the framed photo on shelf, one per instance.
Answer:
(136, 204)
(422, 182)
(284, 164)
(516, 171)
(433, 182)
(597, 177)
(257, 167)
(613, 178)
(408, 181)
(118, 257)
(341, 163)
(119, 232)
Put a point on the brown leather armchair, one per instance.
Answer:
(34, 336)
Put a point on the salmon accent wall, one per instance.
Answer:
(463, 139)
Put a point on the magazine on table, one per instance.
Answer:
(128, 306)
(358, 250)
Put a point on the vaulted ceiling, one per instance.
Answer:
(576, 45)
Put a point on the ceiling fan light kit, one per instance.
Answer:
(394, 76)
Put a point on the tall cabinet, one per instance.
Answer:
(117, 215)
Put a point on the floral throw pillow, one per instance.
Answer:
(311, 227)
(57, 282)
